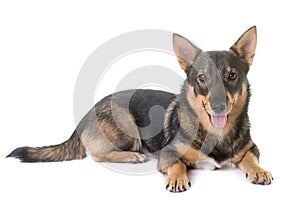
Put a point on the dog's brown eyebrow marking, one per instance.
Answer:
(193, 128)
(230, 68)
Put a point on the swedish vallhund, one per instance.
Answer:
(205, 126)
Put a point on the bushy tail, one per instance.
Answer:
(69, 150)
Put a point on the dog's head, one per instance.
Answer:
(218, 89)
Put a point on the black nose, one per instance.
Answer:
(218, 108)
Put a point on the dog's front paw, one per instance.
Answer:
(260, 177)
(178, 184)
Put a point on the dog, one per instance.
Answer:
(205, 126)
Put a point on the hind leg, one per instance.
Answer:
(108, 143)
(120, 157)
(103, 150)
(110, 134)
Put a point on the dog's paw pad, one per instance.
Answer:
(178, 184)
(260, 177)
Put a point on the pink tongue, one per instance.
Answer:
(219, 121)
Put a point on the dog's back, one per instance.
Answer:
(127, 120)
(206, 125)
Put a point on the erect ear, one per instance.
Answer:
(245, 46)
(185, 51)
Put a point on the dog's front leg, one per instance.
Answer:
(176, 172)
(177, 179)
(250, 165)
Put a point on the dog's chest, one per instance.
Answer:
(218, 149)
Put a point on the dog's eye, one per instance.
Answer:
(232, 76)
(201, 77)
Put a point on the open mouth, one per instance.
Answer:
(218, 121)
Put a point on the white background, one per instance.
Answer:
(44, 45)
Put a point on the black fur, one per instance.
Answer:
(208, 120)
(68, 150)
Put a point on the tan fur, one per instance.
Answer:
(189, 153)
(236, 105)
(177, 179)
(196, 104)
(195, 158)
(238, 157)
(234, 108)
(92, 143)
(109, 129)
(110, 132)
(120, 157)
(246, 45)
(185, 51)
(254, 173)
